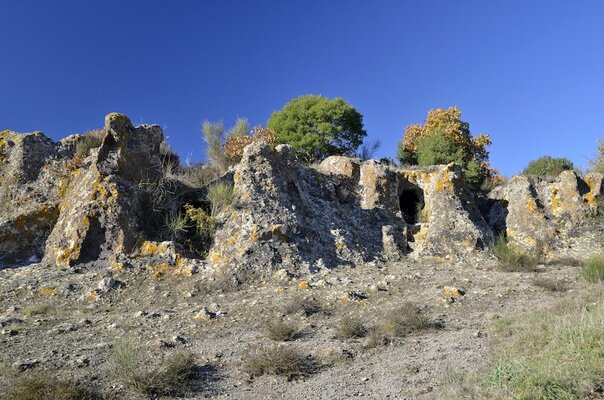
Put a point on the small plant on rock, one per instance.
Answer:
(88, 141)
(221, 195)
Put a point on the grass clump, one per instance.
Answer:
(512, 258)
(276, 360)
(398, 323)
(45, 387)
(304, 305)
(564, 359)
(351, 327)
(220, 195)
(282, 331)
(174, 378)
(592, 269)
(89, 141)
(37, 309)
(553, 285)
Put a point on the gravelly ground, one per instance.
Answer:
(73, 334)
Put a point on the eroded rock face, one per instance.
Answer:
(287, 216)
(538, 214)
(29, 190)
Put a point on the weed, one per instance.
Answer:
(221, 195)
(282, 331)
(592, 269)
(88, 141)
(512, 258)
(37, 309)
(299, 304)
(351, 327)
(552, 285)
(177, 224)
(276, 360)
(42, 387)
(174, 378)
(398, 323)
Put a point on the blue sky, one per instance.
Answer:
(529, 73)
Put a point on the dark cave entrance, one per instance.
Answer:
(411, 203)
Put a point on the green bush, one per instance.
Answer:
(436, 148)
(592, 269)
(548, 166)
(318, 127)
(512, 258)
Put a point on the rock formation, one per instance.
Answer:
(68, 209)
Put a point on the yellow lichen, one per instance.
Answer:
(303, 285)
(215, 257)
(340, 245)
(47, 291)
(254, 234)
(531, 205)
(232, 241)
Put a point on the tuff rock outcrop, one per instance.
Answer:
(539, 214)
(68, 209)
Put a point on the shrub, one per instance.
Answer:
(351, 327)
(512, 258)
(400, 322)
(548, 166)
(215, 137)
(235, 144)
(597, 164)
(282, 331)
(298, 304)
(197, 175)
(88, 141)
(592, 269)
(173, 379)
(45, 387)
(276, 360)
(221, 195)
(445, 138)
(318, 127)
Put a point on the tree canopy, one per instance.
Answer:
(318, 127)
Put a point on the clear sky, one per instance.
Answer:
(529, 73)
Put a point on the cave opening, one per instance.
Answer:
(411, 203)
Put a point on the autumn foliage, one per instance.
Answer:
(446, 122)
(234, 145)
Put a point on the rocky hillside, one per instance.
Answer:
(344, 279)
(65, 208)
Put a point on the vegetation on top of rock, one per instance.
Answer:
(318, 127)
(548, 166)
(235, 144)
(597, 164)
(445, 138)
(90, 140)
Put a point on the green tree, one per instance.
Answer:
(438, 148)
(318, 127)
(548, 166)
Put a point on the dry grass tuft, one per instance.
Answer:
(282, 331)
(592, 269)
(512, 258)
(277, 360)
(45, 387)
(351, 327)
